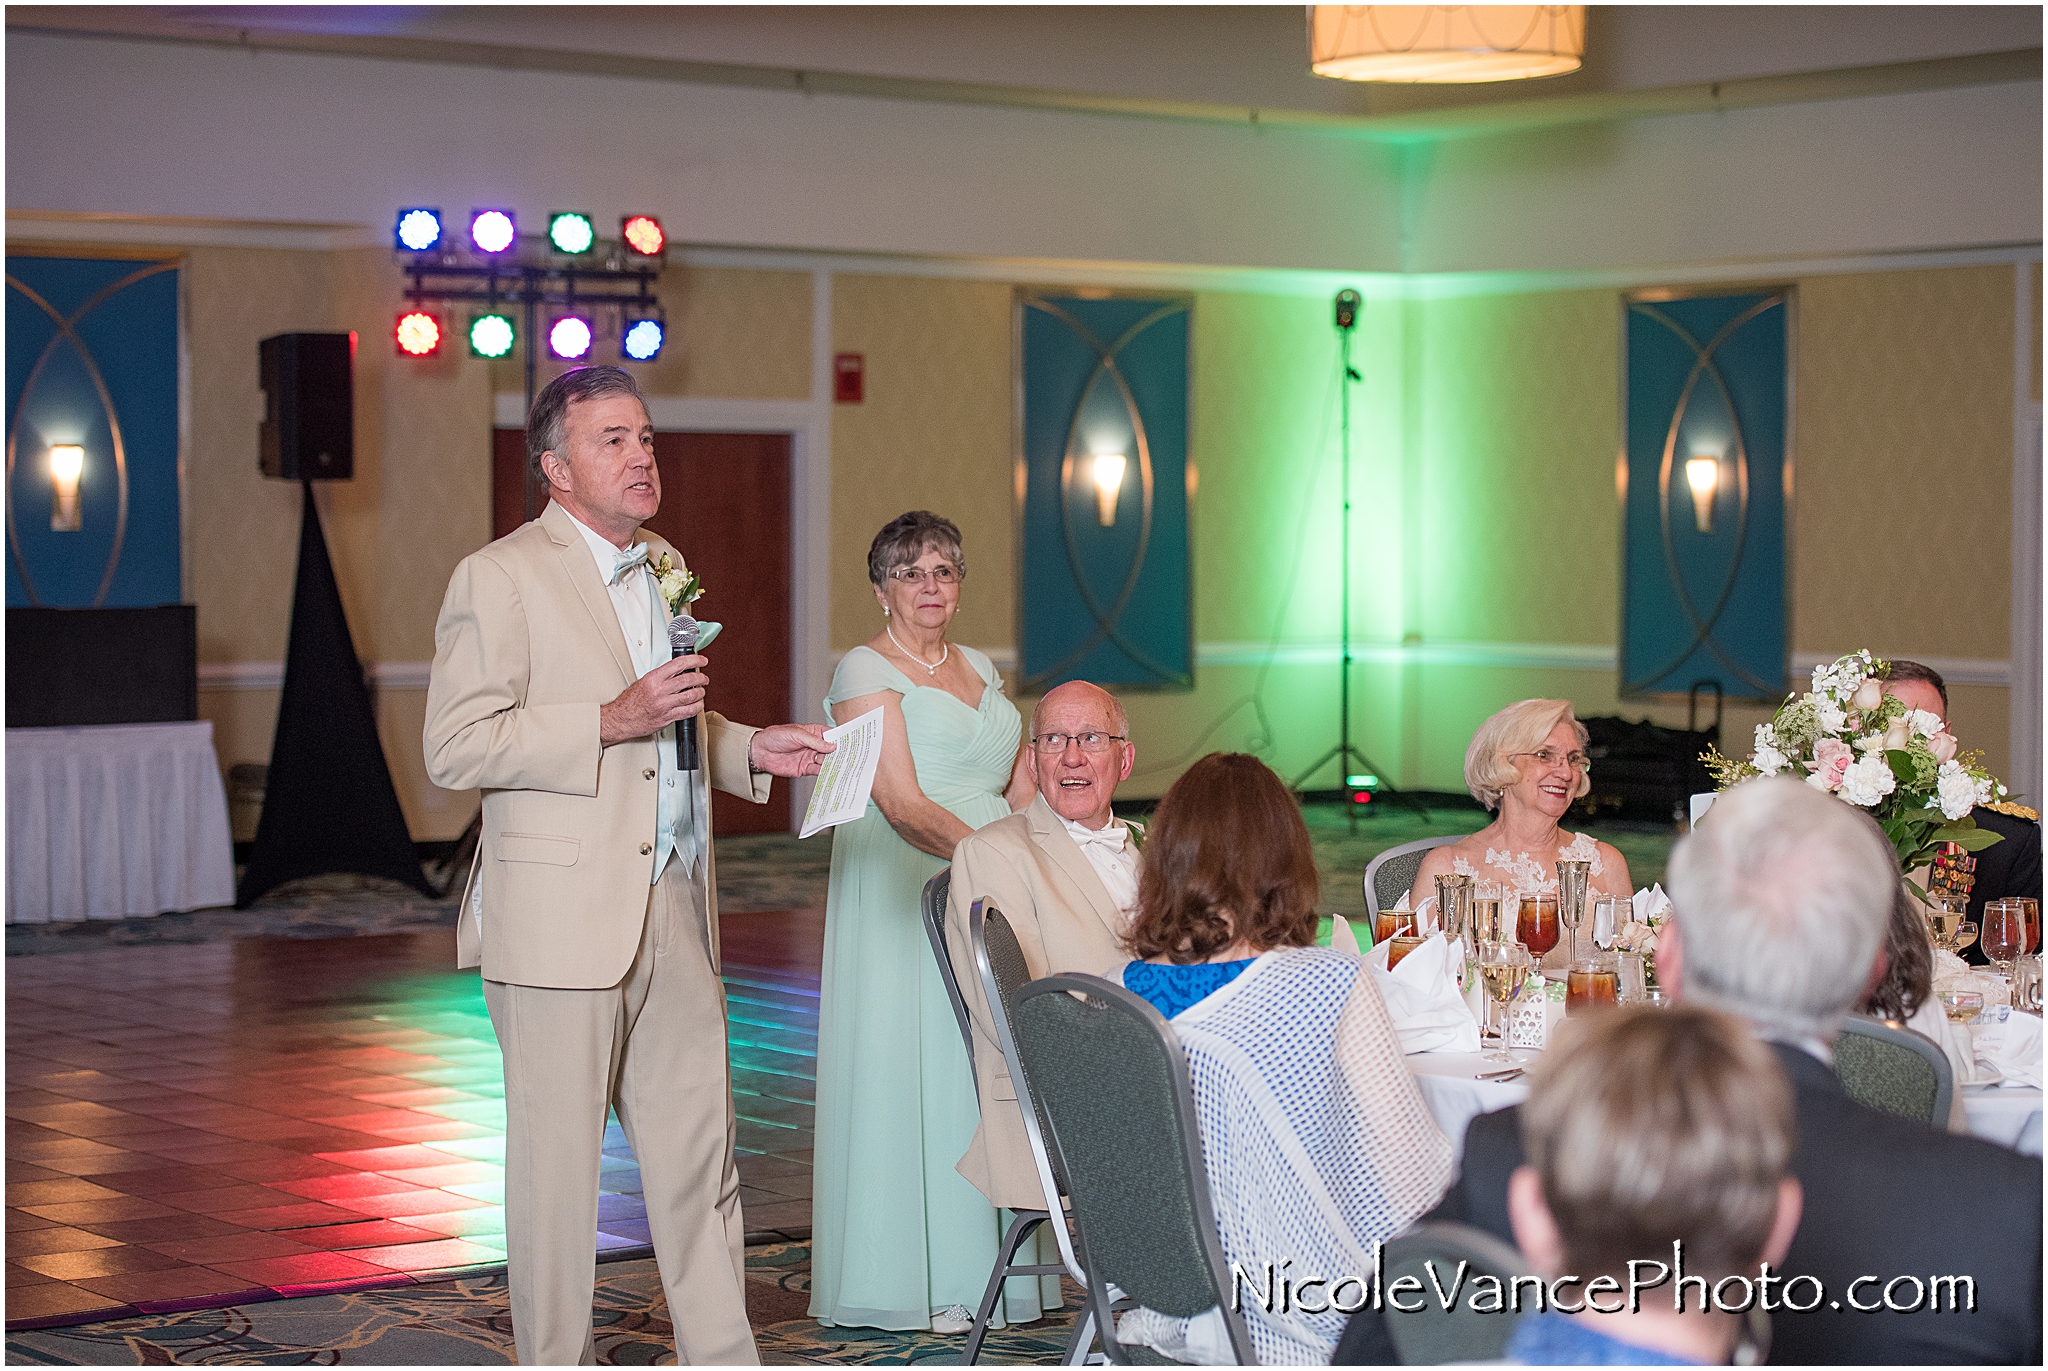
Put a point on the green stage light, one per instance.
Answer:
(572, 234)
(1362, 781)
(491, 335)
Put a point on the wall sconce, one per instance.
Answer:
(1109, 483)
(67, 463)
(1703, 474)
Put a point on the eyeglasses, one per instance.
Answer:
(1550, 756)
(941, 574)
(1090, 742)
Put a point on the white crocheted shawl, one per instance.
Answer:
(1315, 1136)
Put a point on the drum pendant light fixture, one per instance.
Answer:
(1445, 43)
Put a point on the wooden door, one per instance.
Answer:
(725, 506)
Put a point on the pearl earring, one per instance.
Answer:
(885, 611)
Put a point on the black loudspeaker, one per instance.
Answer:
(309, 424)
(72, 667)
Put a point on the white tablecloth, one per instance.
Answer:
(2003, 1114)
(115, 821)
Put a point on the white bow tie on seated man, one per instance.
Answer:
(1064, 873)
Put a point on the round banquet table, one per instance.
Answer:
(2006, 1114)
(113, 821)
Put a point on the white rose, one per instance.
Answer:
(1867, 781)
(1868, 695)
(1899, 734)
(1956, 789)
(1871, 742)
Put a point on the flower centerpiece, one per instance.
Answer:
(679, 585)
(1854, 741)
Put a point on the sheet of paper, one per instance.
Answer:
(841, 793)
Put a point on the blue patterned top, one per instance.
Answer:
(1173, 988)
(1551, 1339)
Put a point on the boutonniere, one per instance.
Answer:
(1137, 834)
(679, 585)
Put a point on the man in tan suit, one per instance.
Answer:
(1064, 872)
(591, 907)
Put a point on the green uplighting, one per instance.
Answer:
(491, 335)
(571, 233)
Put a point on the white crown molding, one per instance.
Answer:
(1985, 671)
(58, 226)
(215, 676)
(691, 414)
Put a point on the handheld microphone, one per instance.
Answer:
(682, 636)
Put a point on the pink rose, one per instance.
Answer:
(1831, 760)
(1943, 746)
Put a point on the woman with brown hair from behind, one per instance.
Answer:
(1314, 1133)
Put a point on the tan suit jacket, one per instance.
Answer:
(1028, 867)
(526, 649)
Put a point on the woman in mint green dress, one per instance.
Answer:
(899, 1240)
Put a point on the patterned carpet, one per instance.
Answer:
(468, 1323)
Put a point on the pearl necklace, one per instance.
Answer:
(930, 668)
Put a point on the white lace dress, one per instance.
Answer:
(1525, 874)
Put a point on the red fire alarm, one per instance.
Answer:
(846, 378)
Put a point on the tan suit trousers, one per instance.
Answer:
(653, 1047)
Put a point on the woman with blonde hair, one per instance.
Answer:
(1528, 763)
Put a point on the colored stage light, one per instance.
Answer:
(569, 338)
(419, 230)
(643, 339)
(490, 335)
(643, 234)
(418, 334)
(492, 230)
(572, 234)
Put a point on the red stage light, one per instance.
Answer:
(418, 334)
(643, 234)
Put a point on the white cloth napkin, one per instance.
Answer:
(2012, 1048)
(1422, 996)
(1650, 905)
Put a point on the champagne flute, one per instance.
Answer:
(1503, 967)
(1486, 915)
(2003, 934)
(1573, 879)
(1454, 906)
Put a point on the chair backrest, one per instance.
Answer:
(933, 906)
(1389, 875)
(1114, 1084)
(1434, 1335)
(1895, 1069)
(999, 962)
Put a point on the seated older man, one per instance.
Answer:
(1780, 900)
(1064, 872)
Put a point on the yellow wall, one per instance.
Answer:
(1482, 422)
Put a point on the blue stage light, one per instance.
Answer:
(419, 229)
(643, 339)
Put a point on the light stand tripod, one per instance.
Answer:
(1345, 752)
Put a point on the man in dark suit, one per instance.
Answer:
(2009, 867)
(1780, 900)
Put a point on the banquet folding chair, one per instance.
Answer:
(1433, 1335)
(999, 963)
(1114, 1085)
(1024, 1222)
(1390, 875)
(933, 907)
(1895, 1070)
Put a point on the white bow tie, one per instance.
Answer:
(1110, 835)
(624, 562)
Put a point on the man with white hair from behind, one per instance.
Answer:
(1780, 899)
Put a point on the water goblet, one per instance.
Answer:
(2003, 935)
(1503, 967)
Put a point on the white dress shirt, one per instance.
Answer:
(678, 815)
(1109, 850)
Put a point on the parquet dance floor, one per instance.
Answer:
(202, 1125)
